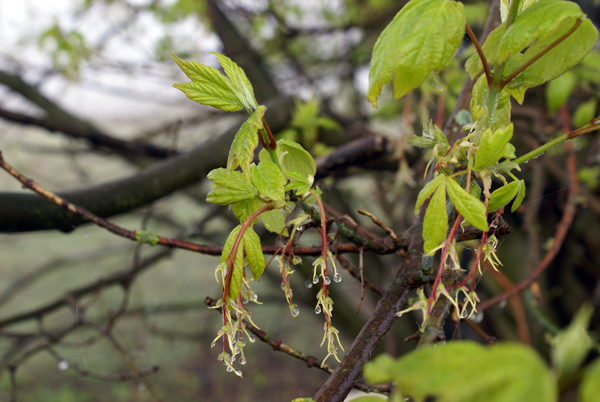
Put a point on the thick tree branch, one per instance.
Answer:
(58, 119)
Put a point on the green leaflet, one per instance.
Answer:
(475, 190)
(492, 147)
(537, 22)
(422, 38)
(427, 190)
(293, 157)
(420, 142)
(240, 84)
(229, 188)
(269, 180)
(274, 221)
(435, 224)
(208, 87)
(243, 209)
(380, 369)
(254, 253)
(558, 60)
(503, 196)
(245, 142)
(505, 372)
(520, 196)
(298, 182)
(572, 345)
(468, 206)
(509, 151)
(590, 386)
(235, 287)
(142, 236)
(558, 91)
(584, 113)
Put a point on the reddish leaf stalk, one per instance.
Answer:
(486, 67)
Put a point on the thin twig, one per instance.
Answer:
(486, 67)
(382, 225)
(376, 289)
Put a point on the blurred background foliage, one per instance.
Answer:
(77, 77)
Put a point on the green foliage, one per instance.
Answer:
(435, 224)
(584, 113)
(572, 345)
(435, 29)
(470, 207)
(466, 371)
(254, 253)
(559, 90)
(69, 52)
(245, 142)
(503, 196)
(590, 386)
(492, 147)
(230, 187)
(270, 181)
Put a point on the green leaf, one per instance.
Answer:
(422, 38)
(274, 221)
(245, 142)
(243, 209)
(590, 386)
(142, 236)
(509, 151)
(491, 147)
(208, 87)
(520, 196)
(226, 196)
(240, 84)
(294, 158)
(269, 180)
(505, 372)
(558, 60)
(537, 22)
(475, 190)
(254, 253)
(235, 286)
(427, 190)
(505, 167)
(435, 224)
(468, 206)
(584, 113)
(380, 369)
(572, 345)
(478, 105)
(234, 180)
(503, 196)
(558, 91)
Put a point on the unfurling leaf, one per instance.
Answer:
(294, 158)
(229, 188)
(241, 86)
(254, 253)
(208, 87)
(274, 221)
(503, 196)
(435, 224)
(422, 38)
(235, 286)
(492, 147)
(468, 206)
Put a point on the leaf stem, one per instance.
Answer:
(535, 58)
(486, 67)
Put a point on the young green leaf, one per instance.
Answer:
(435, 224)
(590, 386)
(478, 105)
(421, 142)
(520, 196)
(234, 180)
(571, 346)
(240, 84)
(505, 372)
(558, 91)
(468, 206)
(475, 190)
(245, 142)
(380, 369)
(208, 87)
(491, 147)
(269, 180)
(537, 22)
(422, 38)
(226, 196)
(274, 222)
(558, 60)
(254, 253)
(585, 112)
(503, 196)
(243, 209)
(428, 189)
